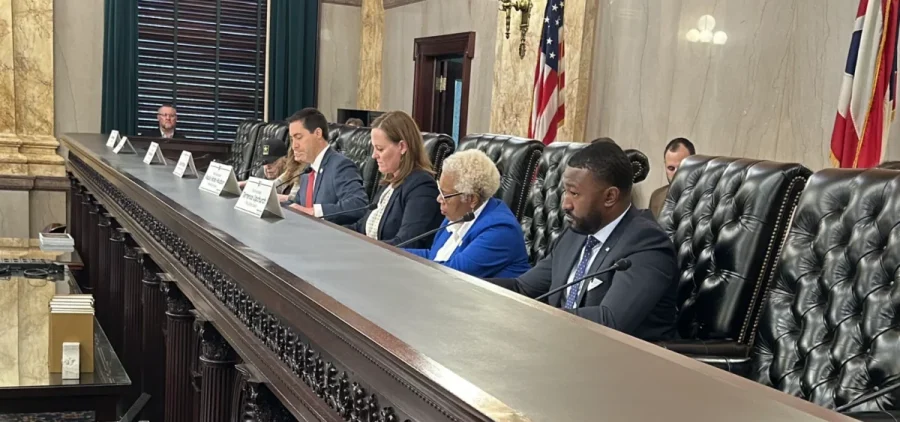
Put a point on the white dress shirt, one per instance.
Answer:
(163, 134)
(602, 235)
(316, 165)
(374, 220)
(457, 232)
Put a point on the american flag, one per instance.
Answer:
(867, 100)
(548, 105)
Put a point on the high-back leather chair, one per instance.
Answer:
(828, 331)
(356, 144)
(544, 219)
(516, 159)
(727, 218)
(277, 130)
(438, 146)
(244, 147)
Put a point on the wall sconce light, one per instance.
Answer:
(703, 33)
(524, 8)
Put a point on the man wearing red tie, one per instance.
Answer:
(332, 184)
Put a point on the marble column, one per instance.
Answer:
(28, 155)
(368, 95)
(514, 76)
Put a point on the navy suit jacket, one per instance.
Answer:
(412, 210)
(639, 301)
(338, 188)
(494, 246)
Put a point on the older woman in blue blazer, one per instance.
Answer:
(406, 206)
(491, 245)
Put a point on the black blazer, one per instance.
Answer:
(639, 301)
(412, 210)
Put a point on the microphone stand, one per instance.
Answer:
(466, 218)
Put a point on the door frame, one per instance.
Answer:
(425, 52)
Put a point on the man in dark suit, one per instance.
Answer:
(167, 117)
(332, 183)
(603, 228)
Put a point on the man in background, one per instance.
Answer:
(168, 119)
(353, 121)
(677, 150)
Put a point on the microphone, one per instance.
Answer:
(865, 398)
(466, 218)
(250, 170)
(620, 265)
(370, 207)
(307, 170)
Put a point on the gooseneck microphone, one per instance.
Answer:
(466, 218)
(250, 170)
(370, 207)
(620, 265)
(305, 171)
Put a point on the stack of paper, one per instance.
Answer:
(72, 321)
(61, 242)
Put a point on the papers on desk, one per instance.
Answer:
(56, 242)
(72, 321)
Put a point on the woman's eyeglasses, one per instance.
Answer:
(448, 196)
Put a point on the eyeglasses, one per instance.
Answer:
(448, 196)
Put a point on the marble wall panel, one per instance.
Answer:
(77, 65)
(14, 223)
(770, 91)
(45, 208)
(339, 55)
(368, 96)
(33, 56)
(427, 18)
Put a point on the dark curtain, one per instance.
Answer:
(120, 33)
(293, 32)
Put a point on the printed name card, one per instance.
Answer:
(220, 178)
(185, 163)
(122, 143)
(113, 137)
(258, 198)
(154, 154)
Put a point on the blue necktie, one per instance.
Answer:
(589, 244)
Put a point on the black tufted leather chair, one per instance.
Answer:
(727, 218)
(277, 130)
(516, 159)
(544, 219)
(829, 330)
(355, 143)
(640, 164)
(438, 146)
(244, 146)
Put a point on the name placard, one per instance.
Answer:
(219, 178)
(123, 143)
(258, 198)
(113, 137)
(185, 165)
(154, 154)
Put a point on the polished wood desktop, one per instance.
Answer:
(312, 308)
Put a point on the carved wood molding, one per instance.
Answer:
(34, 183)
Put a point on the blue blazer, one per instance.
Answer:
(412, 210)
(493, 247)
(339, 188)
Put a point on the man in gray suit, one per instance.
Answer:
(604, 227)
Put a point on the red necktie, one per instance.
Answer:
(310, 187)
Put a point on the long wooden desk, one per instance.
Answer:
(426, 342)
